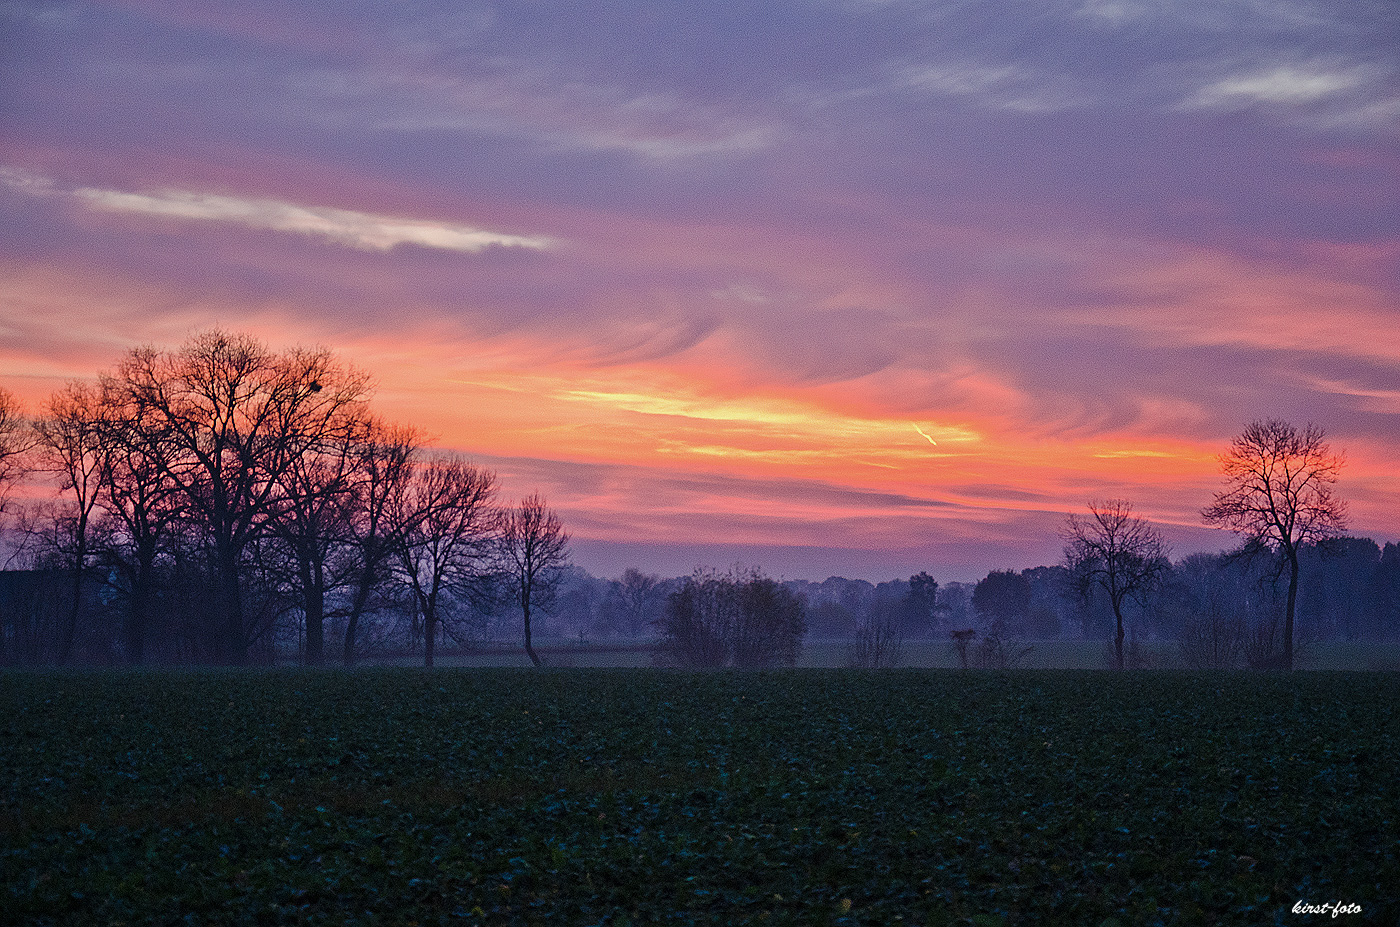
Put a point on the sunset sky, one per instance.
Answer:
(856, 287)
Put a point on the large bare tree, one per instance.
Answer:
(534, 549)
(1117, 552)
(235, 417)
(1278, 497)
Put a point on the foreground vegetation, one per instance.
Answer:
(648, 797)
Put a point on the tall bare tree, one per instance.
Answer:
(314, 523)
(235, 417)
(534, 549)
(1279, 498)
(446, 522)
(1116, 551)
(383, 470)
(74, 445)
(143, 507)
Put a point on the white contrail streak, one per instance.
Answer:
(921, 431)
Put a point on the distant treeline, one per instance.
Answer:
(1225, 610)
(1222, 611)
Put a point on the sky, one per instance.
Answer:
(829, 287)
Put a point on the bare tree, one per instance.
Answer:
(534, 549)
(1279, 497)
(637, 595)
(384, 469)
(446, 525)
(143, 509)
(1116, 551)
(16, 438)
(74, 445)
(879, 640)
(315, 521)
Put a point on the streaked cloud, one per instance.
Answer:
(367, 231)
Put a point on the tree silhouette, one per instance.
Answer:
(534, 548)
(445, 522)
(1121, 554)
(1278, 498)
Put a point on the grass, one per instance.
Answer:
(502, 796)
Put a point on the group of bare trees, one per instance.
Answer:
(1278, 498)
(257, 488)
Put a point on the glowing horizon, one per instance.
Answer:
(900, 305)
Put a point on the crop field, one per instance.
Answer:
(928, 654)
(639, 796)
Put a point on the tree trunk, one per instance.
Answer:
(314, 611)
(429, 635)
(352, 623)
(1288, 614)
(1118, 639)
(70, 627)
(357, 608)
(534, 657)
(139, 609)
(230, 609)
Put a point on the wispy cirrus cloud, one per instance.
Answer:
(548, 108)
(997, 87)
(368, 231)
(1326, 94)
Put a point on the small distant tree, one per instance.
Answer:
(771, 625)
(1278, 498)
(534, 550)
(921, 604)
(962, 640)
(1002, 596)
(879, 640)
(635, 597)
(1119, 553)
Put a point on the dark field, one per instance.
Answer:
(647, 797)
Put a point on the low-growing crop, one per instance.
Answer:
(654, 797)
